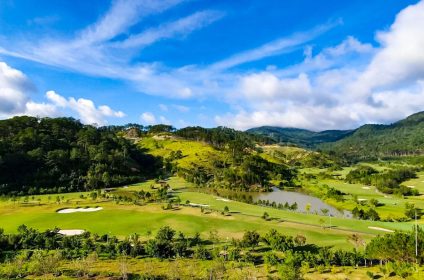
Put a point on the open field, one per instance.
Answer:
(124, 218)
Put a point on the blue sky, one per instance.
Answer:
(310, 64)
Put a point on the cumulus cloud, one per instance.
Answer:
(267, 87)
(401, 57)
(86, 110)
(41, 109)
(14, 86)
(148, 118)
(15, 99)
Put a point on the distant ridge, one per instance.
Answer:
(300, 137)
(402, 138)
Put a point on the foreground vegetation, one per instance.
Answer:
(30, 252)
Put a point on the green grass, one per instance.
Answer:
(125, 219)
(193, 151)
(394, 206)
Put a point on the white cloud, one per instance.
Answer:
(148, 118)
(57, 99)
(122, 15)
(14, 100)
(41, 109)
(276, 47)
(92, 51)
(401, 57)
(85, 108)
(14, 86)
(267, 87)
(172, 29)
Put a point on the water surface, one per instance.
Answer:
(316, 204)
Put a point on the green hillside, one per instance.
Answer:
(403, 138)
(62, 155)
(230, 164)
(370, 141)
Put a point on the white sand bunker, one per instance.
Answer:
(198, 205)
(223, 199)
(381, 229)
(411, 187)
(362, 199)
(71, 232)
(75, 210)
(366, 188)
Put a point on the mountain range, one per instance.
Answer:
(404, 137)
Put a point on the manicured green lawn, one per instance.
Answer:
(125, 219)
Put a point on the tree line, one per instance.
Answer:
(389, 181)
(29, 244)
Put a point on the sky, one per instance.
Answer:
(309, 64)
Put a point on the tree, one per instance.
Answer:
(278, 241)
(265, 216)
(162, 245)
(410, 210)
(300, 240)
(226, 210)
(250, 239)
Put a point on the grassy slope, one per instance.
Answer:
(272, 152)
(193, 151)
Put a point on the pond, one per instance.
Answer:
(316, 204)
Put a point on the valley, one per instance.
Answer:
(221, 186)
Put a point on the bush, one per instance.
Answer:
(201, 253)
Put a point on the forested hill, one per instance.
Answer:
(61, 155)
(405, 137)
(300, 137)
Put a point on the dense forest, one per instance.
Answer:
(61, 155)
(403, 138)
